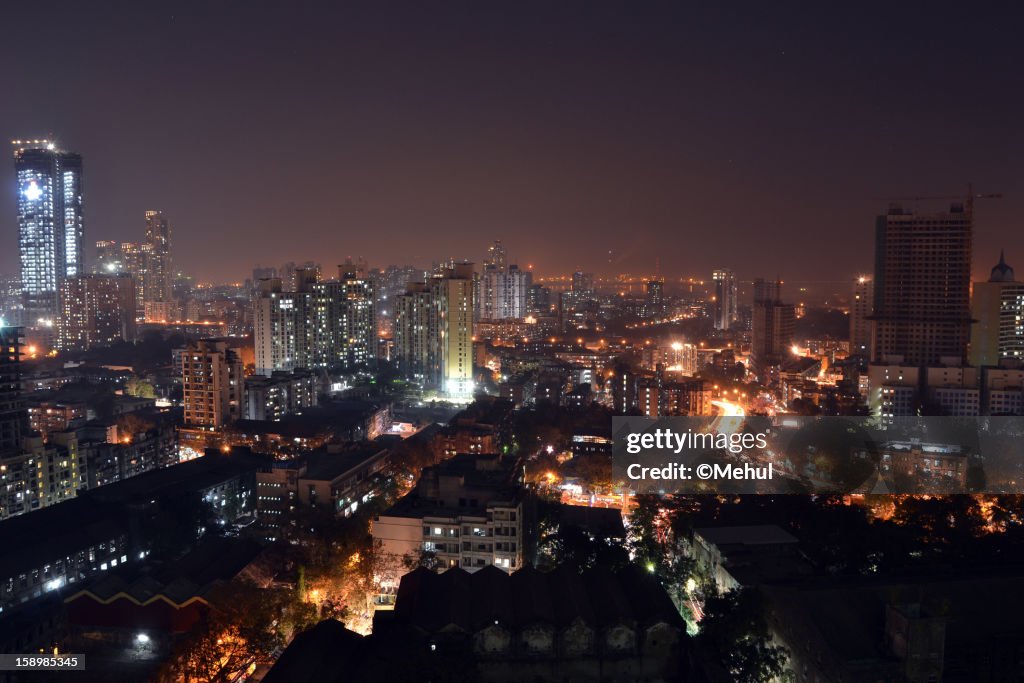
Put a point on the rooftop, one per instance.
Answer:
(761, 534)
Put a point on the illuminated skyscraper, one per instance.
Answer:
(922, 286)
(860, 316)
(158, 288)
(50, 224)
(502, 293)
(997, 307)
(581, 291)
(109, 258)
(135, 261)
(725, 310)
(213, 384)
(773, 323)
(322, 325)
(453, 297)
(654, 298)
(97, 310)
(496, 256)
(434, 331)
(416, 352)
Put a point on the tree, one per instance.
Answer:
(734, 635)
(246, 624)
(140, 388)
(130, 424)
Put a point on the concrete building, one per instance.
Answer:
(922, 286)
(318, 325)
(493, 627)
(773, 323)
(282, 393)
(738, 556)
(926, 464)
(96, 310)
(159, 285)
(13, 418)
(997, 307)
(339, 480)
(1003, 389)
(434, 331)
(63, 545)
(861, 306)
(726, 309)
(454, 301)
(41, 474)
(502, 289)
(213, 384)
(466, 512)
(415, 334)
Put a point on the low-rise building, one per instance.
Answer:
(282, 393)
(466, 512)
(336, 478)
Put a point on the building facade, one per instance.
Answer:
(465, 512)
(997, 307)
(861, 306)
(213, 383)
(282, 393)
(50, 225)
(922, 286)
(320, 325)
(96, 310)
(726, 311)
(773, 323)
(160, 272)
(434, 331)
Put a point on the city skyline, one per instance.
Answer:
(647, 147)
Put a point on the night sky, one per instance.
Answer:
(733, 134)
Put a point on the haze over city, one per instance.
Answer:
(498, 342)
(698, 135)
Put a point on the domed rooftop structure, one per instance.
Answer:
(1001, 272)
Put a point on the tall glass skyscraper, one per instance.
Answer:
(50, 224)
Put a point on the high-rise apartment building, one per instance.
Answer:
(127, 258)
(434, 331)
(921, 317)
(861, 305)
(320, 325)
(997, 307)
(726, 311)
(13, 418)
(773, 323)
(654, 298)
(416, 349)
(496, 255)
(501, 288)
(502, 293)
(354, 319)
(922, 286)
(33, 473)
(149, 264)
(159, 275)
(213, 383)
(454, 300)
(50, 225)
(109, 258)
(96, 310)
